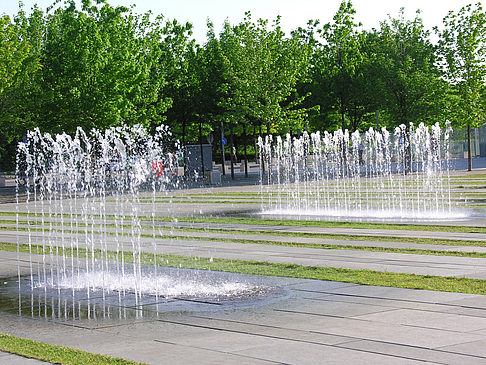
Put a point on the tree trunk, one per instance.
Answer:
(183, 132)
(255, 143)
(184, 143)
(201, 148)
(344, 147)
(408, 149)
(244, 146)
(232, 154)
(222, 150)
(469, 154)
(262, 155)
(343, 121)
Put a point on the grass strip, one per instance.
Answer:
(322, 224)
(287, 222)
(188, 201)
(344, 237)
(270, 194)
(324, 236)
(324, 246)
(469, 176)
(363, 277)
(54, 353)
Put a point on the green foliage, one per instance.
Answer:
(260, 69)
(19, 67)
(463, 54)
(342, 80)
(342, 58)
(100, 68)
(96, 65)
(408, 81)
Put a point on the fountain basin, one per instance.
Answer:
(371, 214)
(104, 296)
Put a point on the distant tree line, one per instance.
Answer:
(99, 66)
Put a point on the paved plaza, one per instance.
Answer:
(309, 322)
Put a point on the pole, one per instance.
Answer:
(469, 154)
(246, 156)
(201, 148)
(222, 148)
(232, 154)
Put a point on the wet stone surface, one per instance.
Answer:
(216, 292)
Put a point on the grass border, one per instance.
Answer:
(323, 246)
(363, 276)
(290, 222)
(55, 354)
(312, 235)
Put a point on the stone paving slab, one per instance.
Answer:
(298, 329)
(408, 295)
(441, 357)
(343, 231)
(476, 348)
(11, 359)
(298, 353)
(417, 318)
(318, 322)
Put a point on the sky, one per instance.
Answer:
(294, 13)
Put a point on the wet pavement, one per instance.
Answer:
(298, 321)
(317, 322)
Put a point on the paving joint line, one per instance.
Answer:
(219, 351)
(393, 299)
(438, 349)
(412, 309)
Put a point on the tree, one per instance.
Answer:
(261, 67)
(342, 57)
(19, 66)
(405, 65)
(179, 58)
(100, 68)
(463, 55)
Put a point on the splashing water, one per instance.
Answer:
(84, 204)
(169, 283)
(376, 174)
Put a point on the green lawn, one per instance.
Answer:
(364, 277)
(56, 354)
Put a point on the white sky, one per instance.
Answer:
(294, 13)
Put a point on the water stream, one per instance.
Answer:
(403, 174)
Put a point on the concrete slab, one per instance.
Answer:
(474, 348)
(318, 321)
(298, 353)
(11, 359)
(272, 333)
(435, 320)
(406, 335)
(400, 294)
(431, 355)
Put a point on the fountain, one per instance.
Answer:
(91, 234)
(372, 175)
(91, 213)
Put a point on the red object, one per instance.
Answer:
(158, 168)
